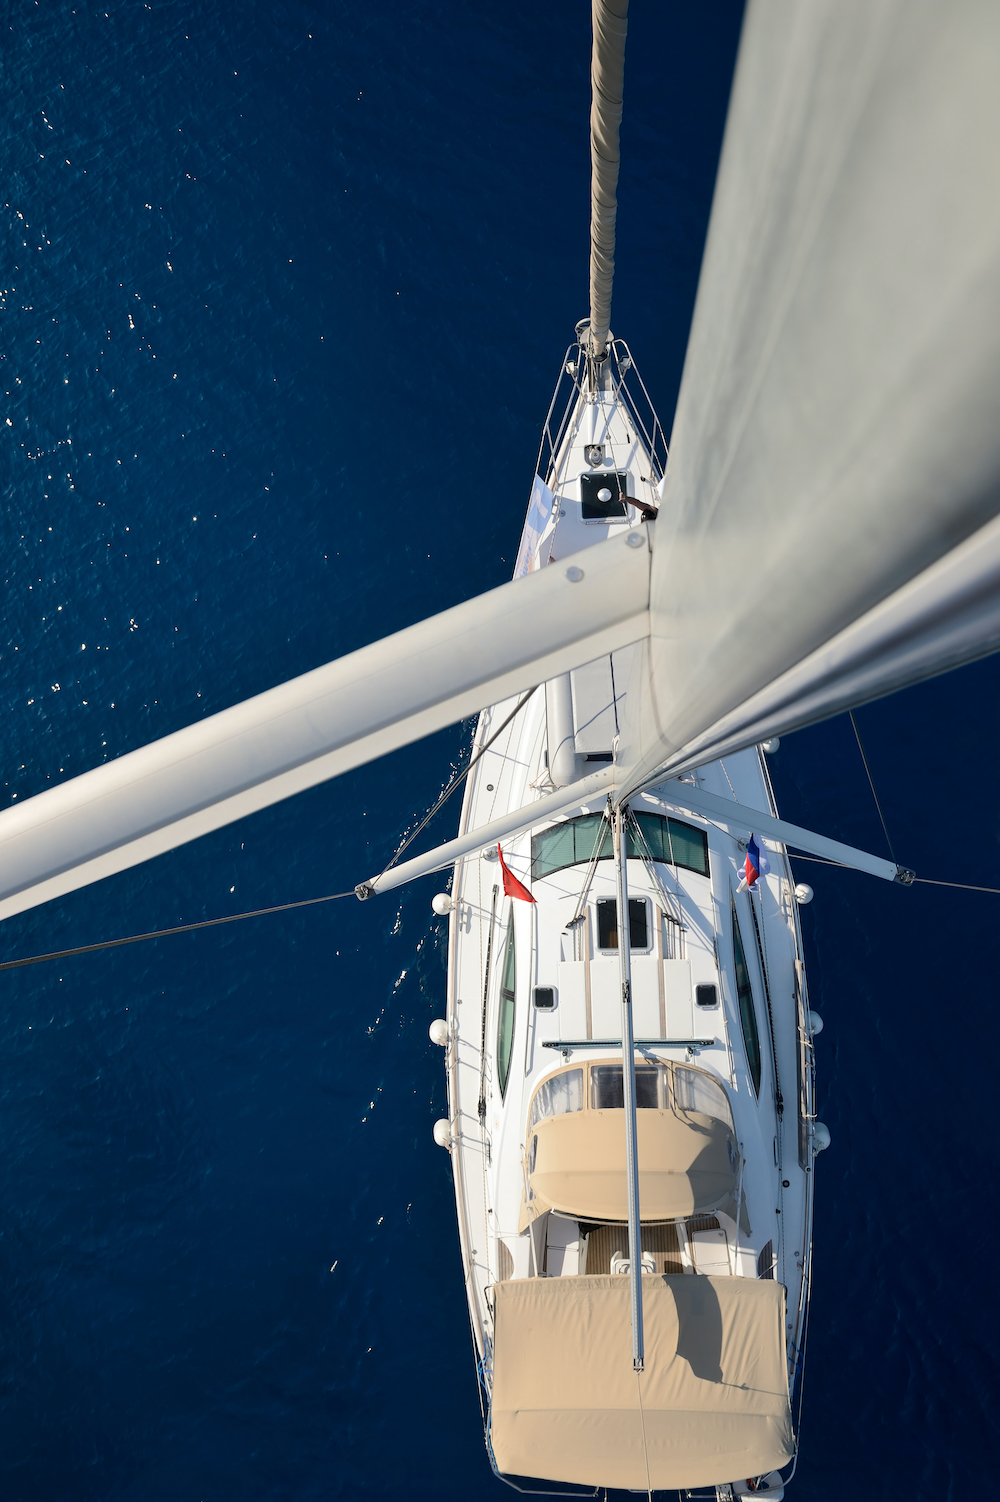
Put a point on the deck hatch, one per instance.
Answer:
(593, 509)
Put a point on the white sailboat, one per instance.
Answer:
(629, 1054)
(540, 1086)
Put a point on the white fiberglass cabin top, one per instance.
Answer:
(534, 1061)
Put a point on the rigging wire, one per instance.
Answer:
(581, 905)
(645, 1448)
(458, 780)
(927, 881)
(650, 864)
(164, 933)
(262, 912)
(962, 886)
(871, 783)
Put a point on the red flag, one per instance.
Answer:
(511, 886)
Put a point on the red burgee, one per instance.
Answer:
(511, 886)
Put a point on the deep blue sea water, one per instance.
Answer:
(286, 289)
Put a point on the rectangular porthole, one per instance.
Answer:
(607, 923)
(706, 996)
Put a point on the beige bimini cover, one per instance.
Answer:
(714, 1394)
(687, 1164)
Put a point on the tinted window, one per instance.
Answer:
(671, 841)
(505, 1023)
(545, 998)
(646, 1088)
(563, 841)
(607, 1088)
(650, 836)
(706, 996)
(596, 510)
(638, 923)
(748, 1017)
(607, 923)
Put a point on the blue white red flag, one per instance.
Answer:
(756, 863)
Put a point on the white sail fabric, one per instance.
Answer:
(949, 615)
(539, 511)
(324, 723)
(830, 526)
(825, 534)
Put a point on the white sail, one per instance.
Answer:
(829, 528)
(836, 435)
(323, 723)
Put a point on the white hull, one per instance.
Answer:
(685, 957)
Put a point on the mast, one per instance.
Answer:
(607, 71)
(628, 1082)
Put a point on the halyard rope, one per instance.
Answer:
(458, 779)
(927, 881)
(263, 912)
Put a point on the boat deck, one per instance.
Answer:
(718, 982)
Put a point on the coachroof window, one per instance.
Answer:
(748, 1016)
(649, 836)
(687, 1153)
(505, 1019)
(685, 1089)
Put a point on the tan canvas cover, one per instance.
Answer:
(684, 1164)
(566, 1402)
